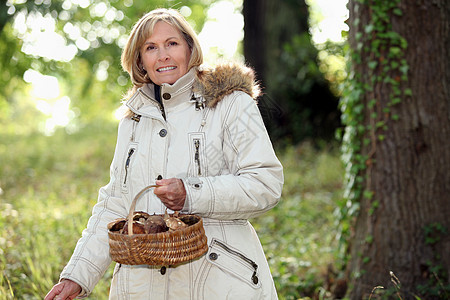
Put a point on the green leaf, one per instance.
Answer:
(369, 239)
(379, 124)
(394, 51)
(359, 46)
(395, 117)
(372, 64)
(395, 100)
(407, 92)
(368, 28)
(397, 11)
(344, 34)
(404, 69)
(361, 128)
(368, 194)
(396, 90)
(358, 35)
(376, 204)
(403, 43)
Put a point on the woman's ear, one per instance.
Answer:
(141, 66)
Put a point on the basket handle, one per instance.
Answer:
(133, 205)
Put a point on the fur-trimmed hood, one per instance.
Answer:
(216, 83)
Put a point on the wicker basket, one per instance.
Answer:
(158, 249)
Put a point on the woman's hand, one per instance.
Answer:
(66, 289)
(171, 192)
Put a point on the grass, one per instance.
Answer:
(298, 235)
(48, 186)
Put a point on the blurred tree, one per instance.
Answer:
(297, 102)
(397, 116)
(95, 31)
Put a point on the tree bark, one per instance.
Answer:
(404, 227)
(297, 102)
(255, 35)
(269, 24)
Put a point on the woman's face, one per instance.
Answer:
(165, 54)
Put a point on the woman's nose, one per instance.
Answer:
(163, 55)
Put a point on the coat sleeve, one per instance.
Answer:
(91, 258)
(255, 178)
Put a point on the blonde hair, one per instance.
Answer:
(142, 30)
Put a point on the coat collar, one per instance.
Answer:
(212, 84)
(143, 101)
(172, 94)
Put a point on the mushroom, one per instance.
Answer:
(155, 224)
(174, 223)
(138, 228)
(117, 224)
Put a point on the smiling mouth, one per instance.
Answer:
(166, 69)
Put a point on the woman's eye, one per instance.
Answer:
(150, 47)
(173, 43)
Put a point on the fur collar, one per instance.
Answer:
(214, 84)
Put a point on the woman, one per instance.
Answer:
(196, 133)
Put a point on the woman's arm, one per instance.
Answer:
(90, 258)
(256, 175)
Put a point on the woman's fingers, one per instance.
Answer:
(171, 192)
(66, 289)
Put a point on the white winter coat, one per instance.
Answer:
(210, 134)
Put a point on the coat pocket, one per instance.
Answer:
(229, 272)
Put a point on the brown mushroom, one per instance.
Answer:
(117, 224)
(155, 224)
(137, 215)
(174, 223)
(138, 228)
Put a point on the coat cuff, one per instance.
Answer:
(187, 205)
(197, 190)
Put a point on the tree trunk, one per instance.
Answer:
(255, 35)
(297, 101)
(404, 226)
(269, 24)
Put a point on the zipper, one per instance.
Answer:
(127, 164)
(161, 107)
(118, 269)
(243, 257)
(197, 155)
(163, 112)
